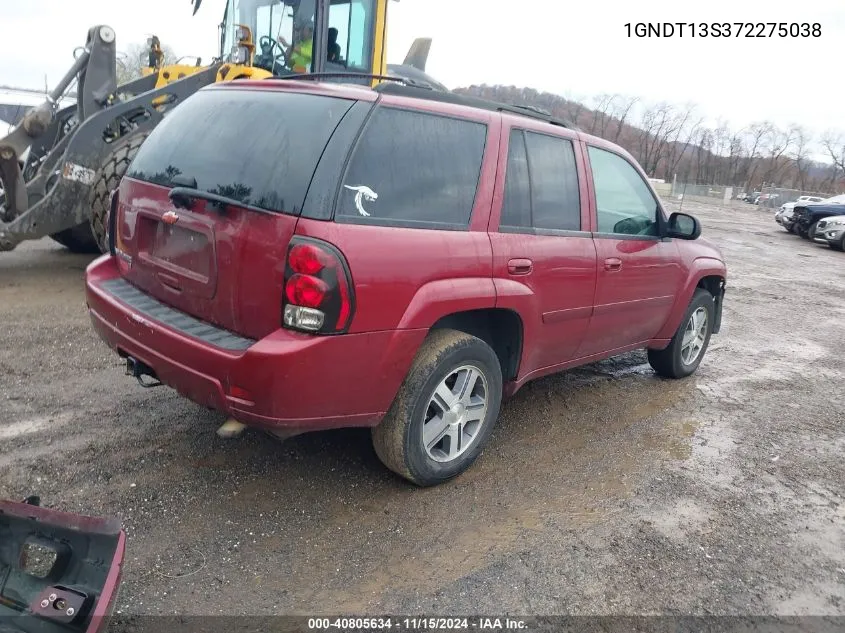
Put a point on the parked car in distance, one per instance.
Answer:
(785, 213)
(784, 218)
(767, 199)
(831, 231)
(805, 217)
(418, 257)
(801, 200)
(751, 196)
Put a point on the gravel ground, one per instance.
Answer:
(605, 490)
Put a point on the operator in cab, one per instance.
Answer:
(300, 54)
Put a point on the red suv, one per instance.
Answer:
(307, 256)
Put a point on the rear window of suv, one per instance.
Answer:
(258, 147)
(413, 169)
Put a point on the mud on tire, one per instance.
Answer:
(670, 362)
(108, 178)
(398, 440)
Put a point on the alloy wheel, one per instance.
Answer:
(695, 334)
(455, 414)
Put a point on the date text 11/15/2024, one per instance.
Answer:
(723, 29)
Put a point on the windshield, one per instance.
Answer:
(283, 31)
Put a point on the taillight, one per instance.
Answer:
(111, 223)
(318, 295)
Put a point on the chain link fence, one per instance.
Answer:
(776, 196)
(768, 197)
(709, 194)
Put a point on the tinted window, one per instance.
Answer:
(541, 186)
(260, 148)
(555, 199)
(516, 209)
(414, 167)
(623, 200)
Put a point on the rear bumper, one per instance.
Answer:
(285, 381)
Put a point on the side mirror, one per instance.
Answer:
(683, 226)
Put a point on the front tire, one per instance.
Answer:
(689, 344)
(445, 410)
(811, 232)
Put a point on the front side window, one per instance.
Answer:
(624, 202)
(413, 168)
(541, 186)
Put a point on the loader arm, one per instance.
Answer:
(59, 195)
(95, 73)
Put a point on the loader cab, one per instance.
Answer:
(332, 35)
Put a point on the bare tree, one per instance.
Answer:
(776, 143)
(834, 146)
(621, 114)
(655, 123)
(683, 130)
(756, 133)
(135, 58)
(799, 154)
(601, 118)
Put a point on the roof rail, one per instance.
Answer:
(353, 75)
(408, 90)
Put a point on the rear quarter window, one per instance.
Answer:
(258, 147)
(413, 169)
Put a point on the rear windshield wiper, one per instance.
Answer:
(184, 196)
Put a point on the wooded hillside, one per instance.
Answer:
(668, 139)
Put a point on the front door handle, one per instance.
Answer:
(520, 266)
(613, 264)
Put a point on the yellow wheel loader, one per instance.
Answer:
(59, 166)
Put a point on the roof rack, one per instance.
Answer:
(406, 87)
(353, 75)
(408, 90)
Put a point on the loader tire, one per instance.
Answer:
(108, 178)
(77, 239)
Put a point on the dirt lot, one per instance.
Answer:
(604, 491)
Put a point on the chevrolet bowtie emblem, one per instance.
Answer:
(171, 217)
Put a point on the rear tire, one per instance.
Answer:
(108, 179)
(677, 360)
(436, 427)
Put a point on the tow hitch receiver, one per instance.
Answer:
(138, 370)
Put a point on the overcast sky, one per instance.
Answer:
(581, 51)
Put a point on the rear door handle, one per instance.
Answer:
(520, 266)
(613, 264)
